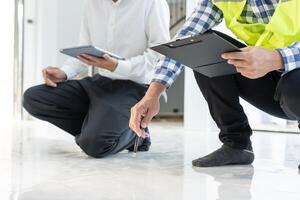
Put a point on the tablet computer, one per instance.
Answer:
(203, 52)
(89, 50)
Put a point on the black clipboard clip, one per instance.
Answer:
(188, 40)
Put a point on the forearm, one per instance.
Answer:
(155, 90)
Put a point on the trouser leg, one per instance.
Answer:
(261, 93)
(64, 106)
(222, 95)
(105, 130)
(288, 94)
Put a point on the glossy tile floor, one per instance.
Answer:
(40, 162)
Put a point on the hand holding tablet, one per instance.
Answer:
(89, 50)
(94, 56)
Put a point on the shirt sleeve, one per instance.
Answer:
(72, 66)
(205, 16)
(291, 56)
(157, 23)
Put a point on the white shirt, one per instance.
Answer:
(126, 28)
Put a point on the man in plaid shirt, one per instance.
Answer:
(268, 79)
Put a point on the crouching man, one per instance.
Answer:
(96, 110)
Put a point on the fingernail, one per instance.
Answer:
(223, 56)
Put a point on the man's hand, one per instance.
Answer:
(107, 62)
(255, 62)
(143, 112)
(53, 75)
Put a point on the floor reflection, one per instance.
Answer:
(41, 162)
(233, 182)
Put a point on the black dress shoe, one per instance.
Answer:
(145, 146)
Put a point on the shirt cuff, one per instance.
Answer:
(163, 82)
(123, 68)
(289, 58)
(69, 71)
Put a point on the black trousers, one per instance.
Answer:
(95, 110)
(274, 94)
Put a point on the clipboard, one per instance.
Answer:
(202, 53)
(89, 50)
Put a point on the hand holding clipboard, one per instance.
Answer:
(203, 52)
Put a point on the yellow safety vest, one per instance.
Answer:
(282, 30)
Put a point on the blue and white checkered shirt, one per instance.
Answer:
(206, 16)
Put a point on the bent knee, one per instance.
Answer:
(290, 104)
(289, 99)
(96, 147)
(29, 100)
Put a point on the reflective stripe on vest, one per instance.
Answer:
(282, 30)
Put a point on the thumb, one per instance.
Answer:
(106, 57)
(245, 48)
(51, 70)
(146, 120)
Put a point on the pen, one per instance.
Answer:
(136, 145)
(137, 141)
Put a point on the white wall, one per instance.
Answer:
(7, 58)
(196, 115)
(56, 25)
(69, 20)
(6, 94)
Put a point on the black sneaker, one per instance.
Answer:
(145, 146)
